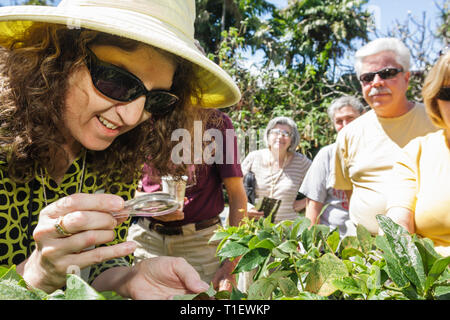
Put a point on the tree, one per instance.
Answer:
(295, 80)
(216, 16)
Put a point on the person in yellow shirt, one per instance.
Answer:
(420, 198)
(366, 148)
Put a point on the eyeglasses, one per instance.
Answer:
(444, 94)
(279, 132)
(387, 73)
(119, 84)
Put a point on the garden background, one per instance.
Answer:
(293, 57)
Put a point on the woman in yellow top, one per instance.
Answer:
(88, 90)
(421, 196)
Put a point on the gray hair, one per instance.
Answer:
(402, 53)
(295, 138)
(344, 101)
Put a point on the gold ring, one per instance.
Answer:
(60, 229)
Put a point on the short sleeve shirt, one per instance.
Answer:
(365, 153)
(283, 185)
(421, 183)
(317, 186)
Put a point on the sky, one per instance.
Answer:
(387, 14)
(387, 11)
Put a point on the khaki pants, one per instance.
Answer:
(192, 245)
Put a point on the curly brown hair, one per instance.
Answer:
(34, 71)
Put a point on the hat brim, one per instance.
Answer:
(217, 87)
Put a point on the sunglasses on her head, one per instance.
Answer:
(119, 84)
(444, 94)
(386, 73)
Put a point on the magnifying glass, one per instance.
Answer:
(149, 205)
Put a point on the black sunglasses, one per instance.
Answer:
(386, 73)
(444, 94)
(119, 84)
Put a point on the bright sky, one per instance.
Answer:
(388, 11)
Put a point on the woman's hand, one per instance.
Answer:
(88, 220)
(154, 279)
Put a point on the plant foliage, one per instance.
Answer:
(293, 260)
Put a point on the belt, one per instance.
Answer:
(178, 230)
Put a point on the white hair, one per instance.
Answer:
(344, 101)
(402, 53)
(295, 138)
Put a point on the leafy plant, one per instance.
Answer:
(293, 260)
(14, 287)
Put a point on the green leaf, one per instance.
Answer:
(436, 270)
(365, 238)
(262, 289)
(323, 271)
(13, 287)
(12, 275)
(405, 251)
(251, 260)
(305, 296)
(288, 246)
(393, 265)
(333, 241)
(301, 224)
(348, 285)
(266, 243)
(427, 252)
(237, 295)
(232, 250)
(351, 252)
(12, 290)
(307, 239)
(218, 236)
(348, 242)
(78, 289)
(288, 287)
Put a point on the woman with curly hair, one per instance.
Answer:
(88, 90)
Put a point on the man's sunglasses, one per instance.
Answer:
(444, 94)
(119, 84)
(386, 73)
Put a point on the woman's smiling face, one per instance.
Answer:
(93, 120)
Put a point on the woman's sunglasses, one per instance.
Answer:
(387, 73)
(119, 84)
(444, 94)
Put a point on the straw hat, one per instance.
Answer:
(166, 24)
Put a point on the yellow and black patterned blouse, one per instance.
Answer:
(20, 204)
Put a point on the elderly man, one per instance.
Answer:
(320, 195)
(366, 148)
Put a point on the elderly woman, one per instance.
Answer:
(279, 170)
(88, 90)
(420, 198)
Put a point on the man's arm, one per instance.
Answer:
(313, 209)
